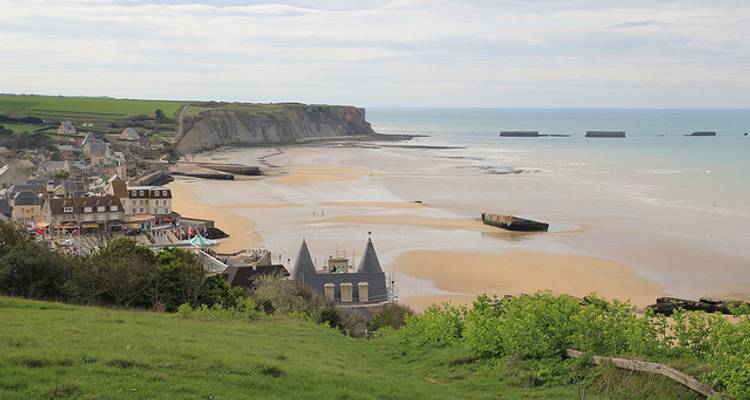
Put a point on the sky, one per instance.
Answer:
(400, 53)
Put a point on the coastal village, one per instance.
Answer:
(79, 194)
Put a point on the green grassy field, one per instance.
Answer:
(88, 107)
(57, 351)
(97, 114)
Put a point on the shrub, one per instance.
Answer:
(29, 269)
(276, 295)
(483, 334)
(602, 328)
(728, 355)
(245, 311)
(539, 326)
(392, 316)
(693, 330)
(438, 324)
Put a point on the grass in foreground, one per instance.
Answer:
(50, 350)
(57, 351)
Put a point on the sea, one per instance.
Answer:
(655, 163)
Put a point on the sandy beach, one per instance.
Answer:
(422, 209)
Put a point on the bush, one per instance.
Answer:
(29, 269)
(247, 310)
(483, 324)
(602, 328)
(276, 295)
(391, 316)
(728, 355)
(539, 326)
(438, 324)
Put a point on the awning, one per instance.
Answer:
(42, 225)
(89, 225)
(139, 218)
(70, 225)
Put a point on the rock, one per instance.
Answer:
(263, 124)
(667, 305)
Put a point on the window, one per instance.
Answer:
(141, 193)
(165, 193)
(88, 209)
(156, 193)
(141, 211)
(114, 208)
(68, 209)
(134, 193)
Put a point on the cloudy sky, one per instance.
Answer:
(437, 53)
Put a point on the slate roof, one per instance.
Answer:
(244, 276)
(129, 134)
(58, 205)
(26, 198)
(370, 261)
(369, 271)
(303, 264)
(5, 208)
(377, 291)
(89, 137)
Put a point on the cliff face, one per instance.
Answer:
(269, 124)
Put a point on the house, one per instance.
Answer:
(70, 188)
(153, 200)
(66, 128)
(6, 211)
(89, 137)
(244, 269)
(27, 208)
(15, 172)
(96, 148)
(366, 287)
(86, 214)
(117, 187)
(50, 168)
(129, 134)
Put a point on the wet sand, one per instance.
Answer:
(523, 272)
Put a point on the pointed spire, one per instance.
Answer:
(303, 264)
(370, 262)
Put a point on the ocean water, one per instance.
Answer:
(656, 163)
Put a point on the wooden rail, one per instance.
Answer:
(654, 368)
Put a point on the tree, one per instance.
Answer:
(181, 279)
(29, 269)
(124, 272)
(10, 236)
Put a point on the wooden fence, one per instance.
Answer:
(654, 368)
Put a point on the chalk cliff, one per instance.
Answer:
(210, 126)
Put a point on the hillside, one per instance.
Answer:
(52, 350)
(99, 114)
(193, 126)
(209, 126)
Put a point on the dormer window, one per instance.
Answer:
(114, 208)
(101, 209)
(68, 209)
(141, 193)
(88, 209)
(156, 193)
(164, 192)
(134, 193)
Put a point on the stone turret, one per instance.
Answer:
(304, 263)
(370, 262)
